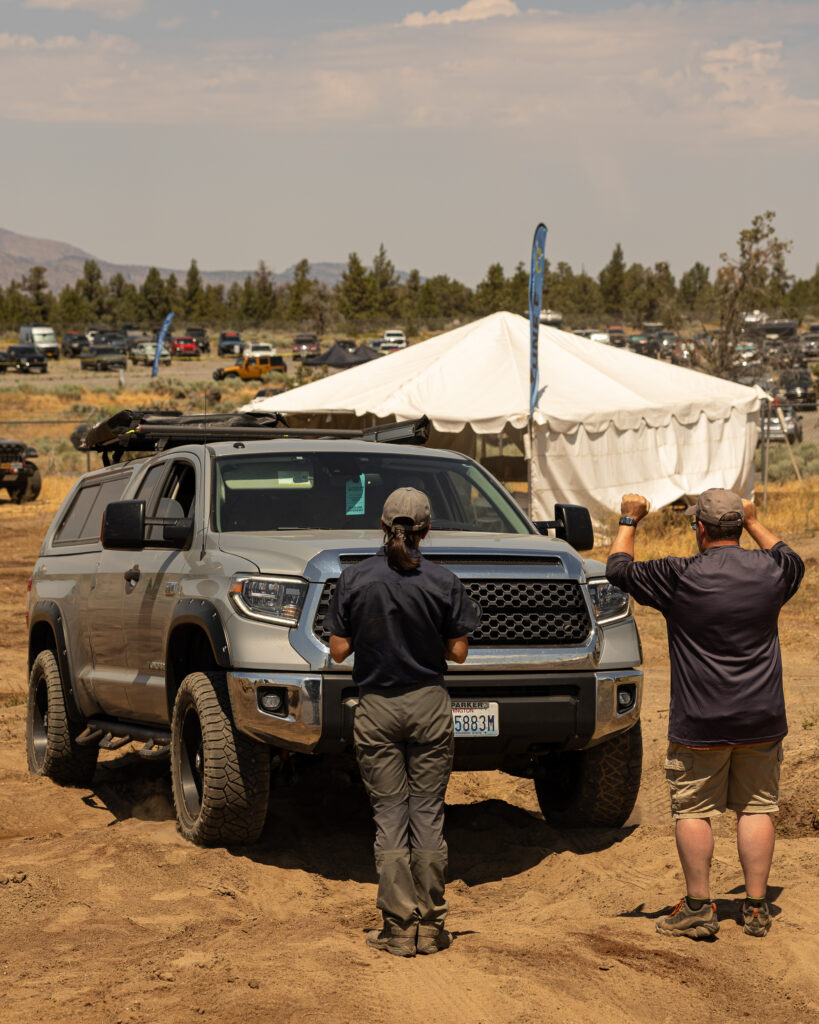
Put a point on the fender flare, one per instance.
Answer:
(49, 611)
(199, 612)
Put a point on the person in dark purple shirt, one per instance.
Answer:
(727, 716)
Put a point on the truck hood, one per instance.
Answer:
(309, 554)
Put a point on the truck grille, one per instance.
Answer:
(515, 613)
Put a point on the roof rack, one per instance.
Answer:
(144, 431)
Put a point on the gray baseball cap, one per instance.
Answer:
(407, 503)
(716, 506)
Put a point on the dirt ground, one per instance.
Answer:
(109, 916)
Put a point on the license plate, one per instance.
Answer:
(475, 718)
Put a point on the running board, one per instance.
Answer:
(111, 735)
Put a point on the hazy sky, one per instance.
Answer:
(151, 131)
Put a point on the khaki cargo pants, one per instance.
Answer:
(404, 742)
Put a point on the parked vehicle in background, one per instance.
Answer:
(192, 621)
(25, 359)
(347, 344)
(797, 387)
(103, 357)
(306, 345)
(666, 343)
(645, 344)
(201, 336)
(793, 424)
(230, 344)
(809, 345)
(112, 338)
(18, 474)
(394, 340)
(251, 368)
(72, 343)
(601, 336)
(42, 337)
(550, 317)
(684, 353)
(258, 348)
(385, 347)
(184, 347)
(617, 336)
(144, 353)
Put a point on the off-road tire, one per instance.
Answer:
(221, 778)
(28, 489)
(50, 735)
(592, 788)
(218, 374)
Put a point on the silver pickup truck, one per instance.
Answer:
(178, 600)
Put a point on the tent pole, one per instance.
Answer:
(765, 442)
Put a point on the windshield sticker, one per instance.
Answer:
(354, 495)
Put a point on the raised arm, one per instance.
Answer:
(761, 534)
(636, 506)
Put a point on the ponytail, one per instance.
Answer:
(401, 545)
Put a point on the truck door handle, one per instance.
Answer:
(132, 575)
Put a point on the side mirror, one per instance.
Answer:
(123, 525)
(574, 525)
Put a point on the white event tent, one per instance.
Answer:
(606, 420)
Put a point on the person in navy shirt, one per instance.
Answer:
(404, 617)
(727, 717)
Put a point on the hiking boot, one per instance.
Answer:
(432, 939)
(696, 924)
(393, 940)
(756, 920)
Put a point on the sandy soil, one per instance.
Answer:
(108, 915)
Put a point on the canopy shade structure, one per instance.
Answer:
(606, 420)
(339, 357)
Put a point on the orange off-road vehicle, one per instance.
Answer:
(252, 368)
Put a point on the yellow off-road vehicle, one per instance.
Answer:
(252, 368)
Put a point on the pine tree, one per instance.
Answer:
(192, 294)
(90, 286)
(152, 298)
(354, 293)
(490, 295)
(35, 285)
(612, 283)
(384, 285)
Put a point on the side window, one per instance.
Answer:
(147, 489)
(177, 494)
(83, 521)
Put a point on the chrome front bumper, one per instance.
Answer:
(608, 717)
(297, 726)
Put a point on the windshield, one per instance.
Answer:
(43, 336)
(344, 491)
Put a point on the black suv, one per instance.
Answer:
(799, 389)
(18, 474)
(24, 359)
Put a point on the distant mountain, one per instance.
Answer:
(64, 265)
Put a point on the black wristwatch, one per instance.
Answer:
(628, 521)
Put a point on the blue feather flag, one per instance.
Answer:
(535, 303)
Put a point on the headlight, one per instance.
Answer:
(270, 598)
(609, 602)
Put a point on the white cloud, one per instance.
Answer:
(117, 10)
(472, 10)
(170, 23)
(682, 73)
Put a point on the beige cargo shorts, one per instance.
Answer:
(706, 782)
